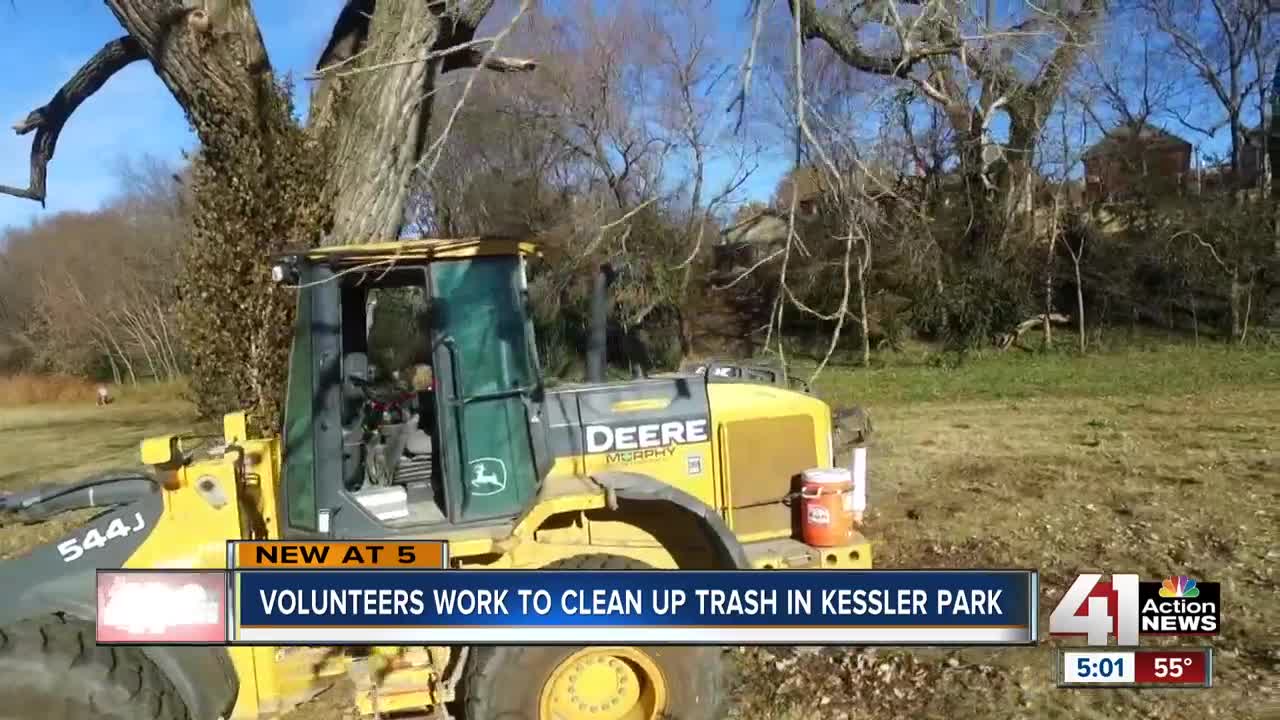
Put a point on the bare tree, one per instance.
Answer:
(1230, 244)
(1263, 57)
(96, 289)
(850, 197)
(1129, 77)
(1076, 251)
(686, 56)
(972, 68)
(619, 151)
(1217, 39)
(597, 97)
(995, 80)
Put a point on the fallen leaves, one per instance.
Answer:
(852, 683)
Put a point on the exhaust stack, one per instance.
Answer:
(598, 338)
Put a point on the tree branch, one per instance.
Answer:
(455, 57)
(471, 12)
(349, 34)
(748, 63)
(1208, 131)
(1043, 92)
(842, 36)
(48, 120)
(208, 53)
(462, 31)
(473, 58)
(347, 42)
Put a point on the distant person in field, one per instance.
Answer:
(104, 395)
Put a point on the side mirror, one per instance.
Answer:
(282, 273)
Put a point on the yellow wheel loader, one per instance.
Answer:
(416, 409)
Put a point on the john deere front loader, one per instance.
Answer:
(416, 408)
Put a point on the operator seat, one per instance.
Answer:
(419, 441)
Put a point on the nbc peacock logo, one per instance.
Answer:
(1179, 605)
(1179, 586)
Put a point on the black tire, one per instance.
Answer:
(504, 683)
(51, 668)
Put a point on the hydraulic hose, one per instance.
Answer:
(107, 489)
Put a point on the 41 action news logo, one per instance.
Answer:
(1127, 607)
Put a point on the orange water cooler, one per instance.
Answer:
(832, 501)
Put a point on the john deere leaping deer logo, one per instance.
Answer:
(488, 476)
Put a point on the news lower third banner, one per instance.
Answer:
(392, 593)
(540, 607)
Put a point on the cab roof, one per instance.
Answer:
(417, 251)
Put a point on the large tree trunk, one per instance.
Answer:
(372, 111)
(384, 115)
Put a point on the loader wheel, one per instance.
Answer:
(51, 668)
(595, 683)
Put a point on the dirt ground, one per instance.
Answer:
(1157, 486)
(1157, 481)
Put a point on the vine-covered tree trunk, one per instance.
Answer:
(263, 182)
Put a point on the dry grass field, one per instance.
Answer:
(1155, 462)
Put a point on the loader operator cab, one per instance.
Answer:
(415, 363)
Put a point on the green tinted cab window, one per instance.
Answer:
(485, 315)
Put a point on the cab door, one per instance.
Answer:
(483, 348)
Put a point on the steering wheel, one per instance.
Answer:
(381, 400)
